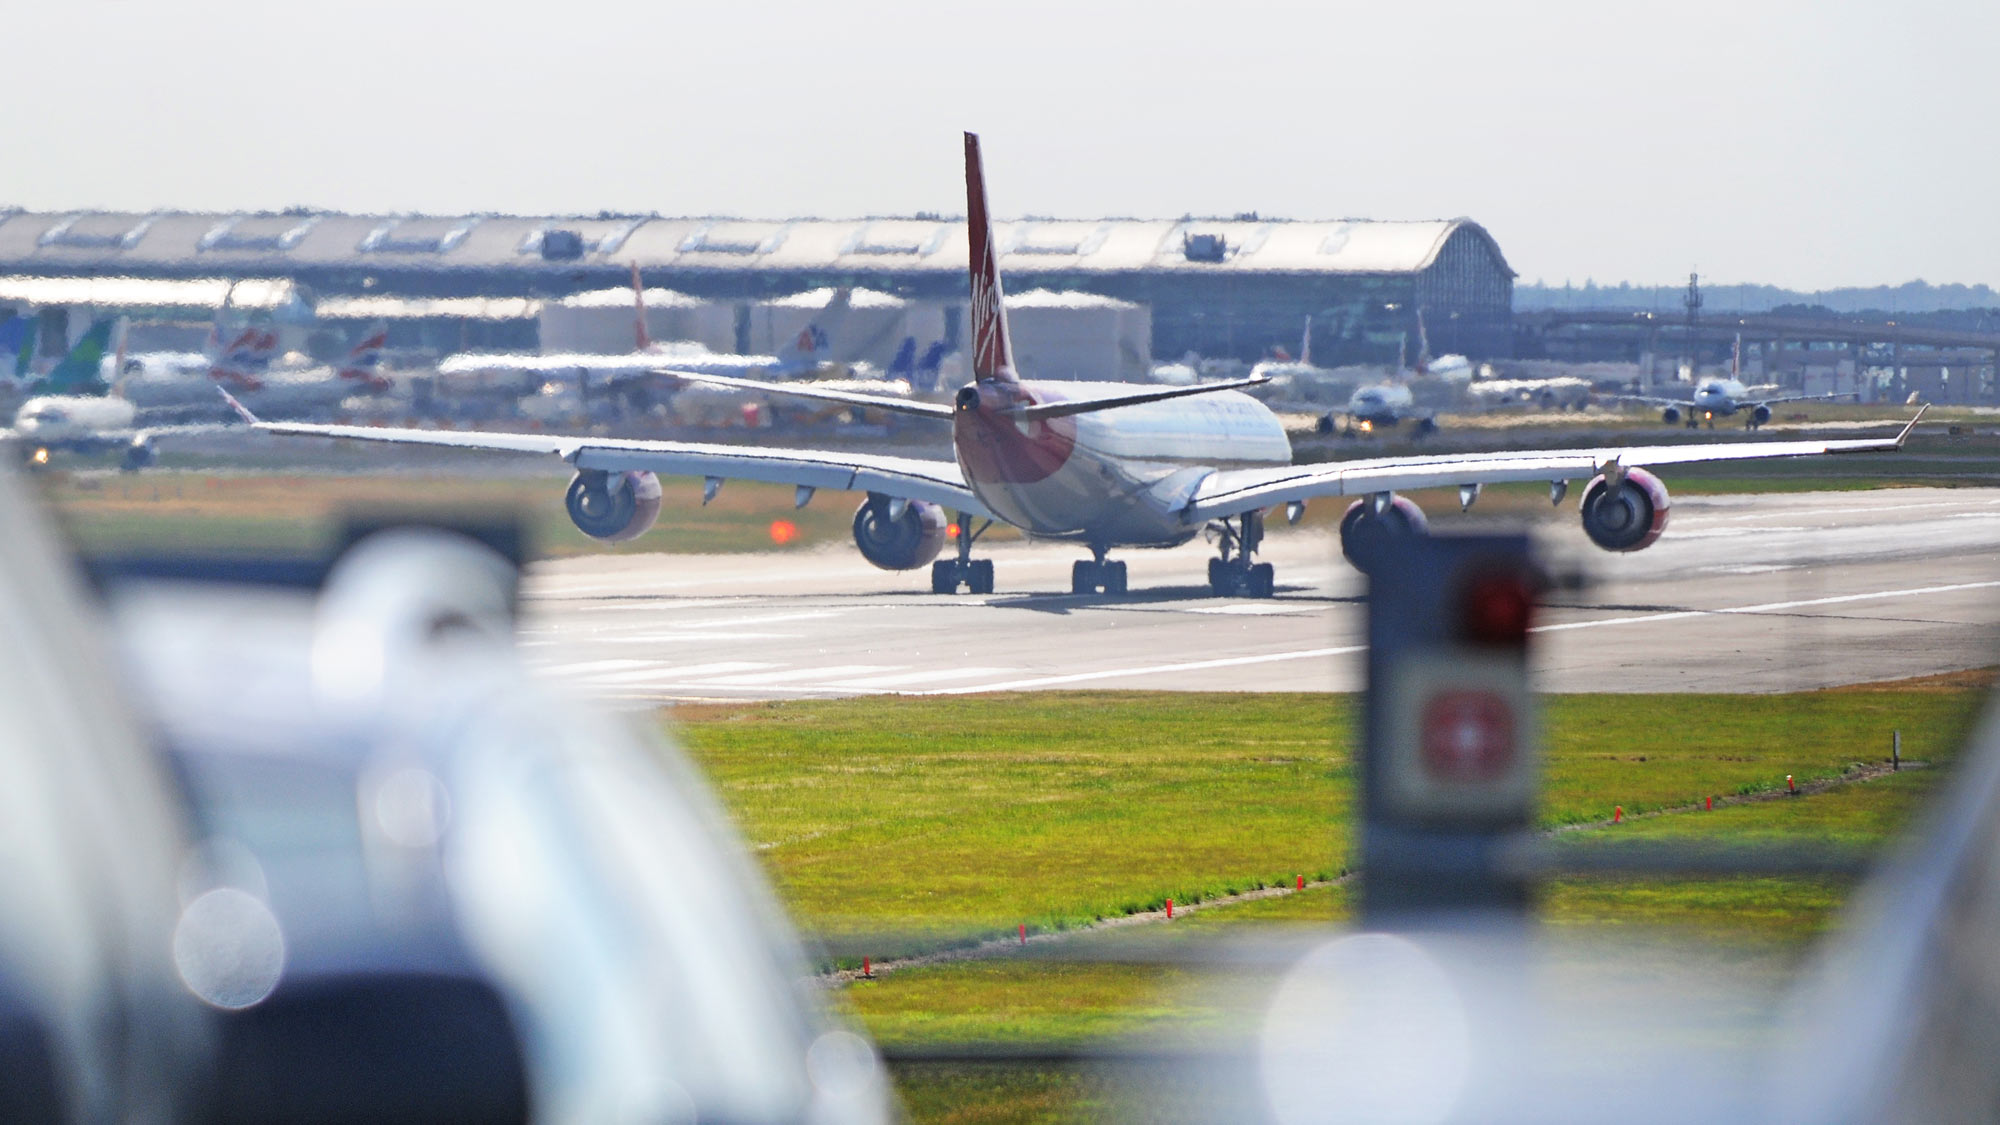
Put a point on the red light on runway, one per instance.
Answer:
(783, 531)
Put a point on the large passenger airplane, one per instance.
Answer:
(1103, 465)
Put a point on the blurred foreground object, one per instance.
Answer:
(431, 890)
(93, 1024)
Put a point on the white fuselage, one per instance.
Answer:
(1381, 404)
(1719, 396)
(61, 419)
(1118, 477)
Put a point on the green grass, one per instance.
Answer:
(946, 819)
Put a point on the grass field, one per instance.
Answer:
(948, 819)
(924, 823)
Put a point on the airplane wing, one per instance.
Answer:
(1652, 400)
(824, 394)
(1799, 398)
(1228, 492)
(910, 478)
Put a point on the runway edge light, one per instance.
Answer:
(1451, 757)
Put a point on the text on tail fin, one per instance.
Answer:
(992, 354)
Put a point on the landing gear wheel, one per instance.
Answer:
(1114, 577)
(944, 576)
(1262, 580)
(1224, 578)
(980, 581)
(1083, 577)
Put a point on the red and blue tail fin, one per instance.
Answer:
(364, 361)
(992, 354)
(243, 362)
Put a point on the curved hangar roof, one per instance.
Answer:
(221, 243)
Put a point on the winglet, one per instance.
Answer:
(241, 410)
(1911, 425)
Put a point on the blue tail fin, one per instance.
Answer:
(904, 366)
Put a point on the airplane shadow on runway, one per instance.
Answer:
(1063, 603)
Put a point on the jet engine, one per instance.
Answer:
(901, 541)
(138, 454)
(613, 507)
(1628, 515)
(1363, 530)
(1760, 416)
(1670, 415)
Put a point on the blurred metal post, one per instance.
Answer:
(1451, 754)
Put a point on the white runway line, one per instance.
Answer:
(693, 634)
(679, 672)
(1255, 609)
(1151, 670)
(760, 679)
(591, 667)
(1766, 607)
(878, 682)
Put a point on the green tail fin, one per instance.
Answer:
(81, 372)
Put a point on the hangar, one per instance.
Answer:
(1231, 287)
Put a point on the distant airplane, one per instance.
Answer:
(81, 413)
(1102, 465)
(1723, 397)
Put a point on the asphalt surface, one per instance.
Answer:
(1743, 594)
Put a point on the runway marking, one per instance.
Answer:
(1733, 532)
(1766, 607)
(693, 635)
(1151, 670)
(658, 671)
(919, 678)
(588, 667)
(1254, 609)
(760, 679)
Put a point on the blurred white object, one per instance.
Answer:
(407, 790)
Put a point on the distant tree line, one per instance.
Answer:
(1968, 306)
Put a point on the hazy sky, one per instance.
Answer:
(1803, 144)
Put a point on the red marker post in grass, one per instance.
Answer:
(867, 971)
(1024, 933)
(1302, 882)
(1170, 910)
(1618, 814)
(1791, 786)
(1711, 804)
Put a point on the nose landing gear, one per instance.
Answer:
(1233, 573)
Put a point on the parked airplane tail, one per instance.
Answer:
(243, 362)
(904, 366)
(930, 366)
(642, 340)
(17, 337)
(992, 353)
(81, 372)
(364, 361)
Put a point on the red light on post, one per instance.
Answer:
(1467, 736)
(1496, 608)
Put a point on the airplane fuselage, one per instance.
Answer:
(1719, 396)
(63, 419)
(1116, 477)
(1383, 404)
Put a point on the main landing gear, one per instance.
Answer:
(976, 575)
(1233, 573)
(1096, 573)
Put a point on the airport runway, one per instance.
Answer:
(1743, 594)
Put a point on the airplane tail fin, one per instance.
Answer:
(811, 346)
(243, 361)
(364, 361)
(904, 366)
(930, 367)
(81, 372)
(992, 353)
(17, 337)
(124, 332)
(642, 340)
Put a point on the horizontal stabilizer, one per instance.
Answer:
(1092, 405)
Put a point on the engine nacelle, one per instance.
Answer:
(1627, 516)
(613, 507)
(903, 542)
(1670, 415)
(1760, 415)
(1362, 531)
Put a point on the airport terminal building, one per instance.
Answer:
(1218, 288)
